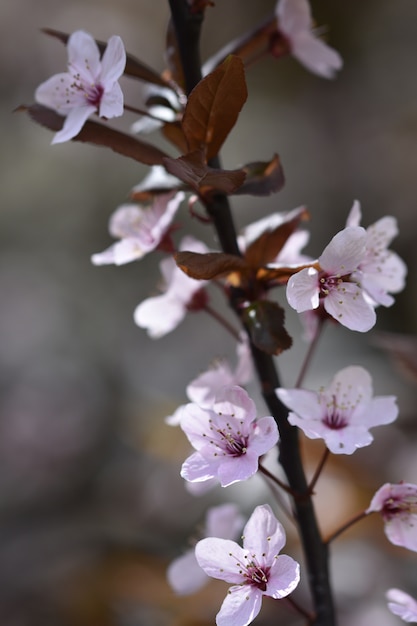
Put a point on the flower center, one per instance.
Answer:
(336, 417)
(228, 439)
(328, 283)
(257, 576)
(93, 92)
(232, 445)
(406, 505)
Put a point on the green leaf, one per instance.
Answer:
(213, 107)
(265, 322)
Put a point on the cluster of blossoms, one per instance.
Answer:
(356, 273)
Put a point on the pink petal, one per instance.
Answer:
(402, 604)
(315, 55)
(401, 530)
(264, 437)
(303, 290)
(347, 440)
(235, 401)
(303, 402)
(355, 215)
(240, 607)
(83, 56)
(294, 16)
(224, 521)
(59, 94)
(197, 469)
(283, 578)
(111, 103)
(74, 122)
(263, 535)
(235, 469)
(380, 410)
(113, 62)
(159, 315)
(347, 305)
(185, 575)
(221, 558)
(345, 251)
(352, 387)
(313, 429)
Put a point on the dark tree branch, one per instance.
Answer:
(188, 26)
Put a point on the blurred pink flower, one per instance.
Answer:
(161, 314)
(203, 389)
(140, 229)
(89, 86)
(255, 570)
(341, 413)
(381, 271)
(184, 574)
(401, 604)
(295, 23)
(333, 285)
(398, 507)
(228, 437)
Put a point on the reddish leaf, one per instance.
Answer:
(265, 322)
(263, 177)
(134, 67)
(193, 171)
(266, 248)
(213, 107)
(210, 265)
(174, 133)
(100, 135)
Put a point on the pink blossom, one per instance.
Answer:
(184, 574)
(381, 271)
(341, 413)
(256, 569)
(89, 86)
(161, 314)
(140, 229)
(398, 507)
(203, 389)
(333, 285)
(403, 605)
(228, 438)
(295, 23)
(290, 253)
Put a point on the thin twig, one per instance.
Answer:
(318, 471)
(222, 320)
(348, 524)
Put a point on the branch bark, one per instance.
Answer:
(188, 24)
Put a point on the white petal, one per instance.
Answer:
(348, 306)
(380, 410)
(111, 103)
(74, 122)
(185, 575)
(355, 214)
(294, 16)
(221, 558)
(159, 315)
(351, 387)
(345, 251)
(224, 521)
(240, 606)
(59, 94)
(197, 469)
(347, 440)
(283, 578)
(303, 291)
(315, 55)
(83, 56)
(113, 62)
(302, 401)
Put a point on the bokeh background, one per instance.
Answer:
(92, 508)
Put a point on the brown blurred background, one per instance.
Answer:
(92, 507)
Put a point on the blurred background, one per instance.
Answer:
(92, 508)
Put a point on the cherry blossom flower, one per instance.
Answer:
(228, 438)
(381, 271)
(203, 389)
(333, 285)
(295, 24)
(401, 604)
(89, 86)
(398, 507)
(184, 573)
(256, 569)
(161, 314)
(341, 413)
(290, 253)
(139, 229)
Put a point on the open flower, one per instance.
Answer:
(255, 570)
(89, 86)
(161, 314)
(403, 605)
(140, 229)
(184, 574)
(341, 413)
(398, 507)
(203, 389)
(381, 271)
(334, 285)
(295, 23)
(228, 437)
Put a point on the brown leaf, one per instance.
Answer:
(100, 135)
(210, 265)
(265, 322)
(134, 67)
(266, 248)
(281, 275)
(174, 133)
(262, 177)
(213, 107)
(193, 171)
